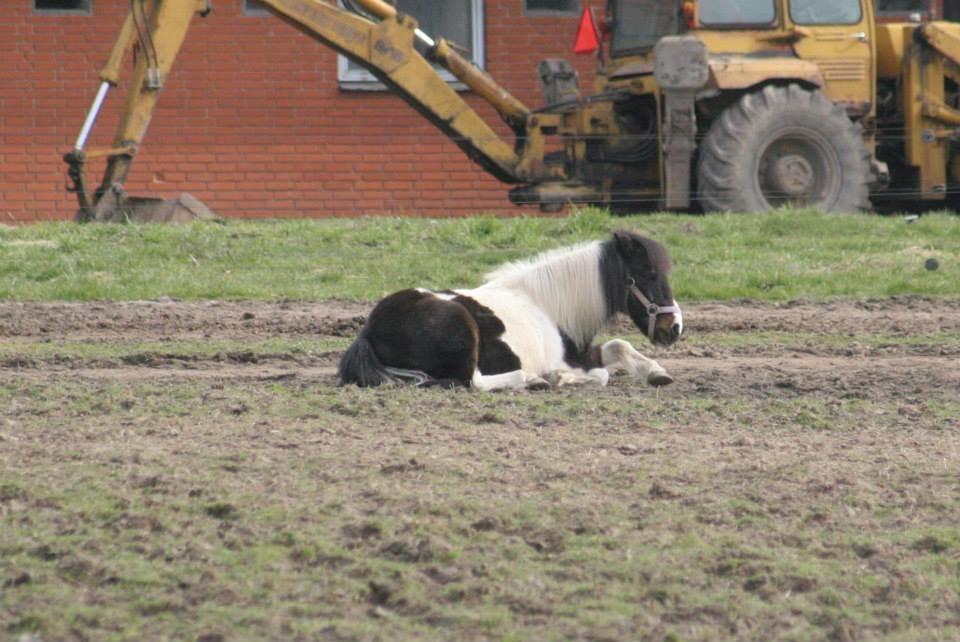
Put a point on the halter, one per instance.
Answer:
(653, 309)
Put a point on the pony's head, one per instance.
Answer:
(645, 293)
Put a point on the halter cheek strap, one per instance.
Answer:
(653, 309)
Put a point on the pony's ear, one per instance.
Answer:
(629, 245)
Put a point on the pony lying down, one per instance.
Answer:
(531, 324)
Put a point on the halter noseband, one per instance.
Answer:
(653, 309)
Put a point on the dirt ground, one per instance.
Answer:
(797, 482)
(880, 370)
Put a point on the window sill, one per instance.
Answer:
(62, 12)
(551, 13)
(377, 86)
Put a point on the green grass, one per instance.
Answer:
(172, 516)
(779, 256)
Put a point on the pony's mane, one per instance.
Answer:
(566, 283)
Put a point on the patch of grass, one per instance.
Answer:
(778, 256)
(137, 352)
(178, 517)
(947, 340)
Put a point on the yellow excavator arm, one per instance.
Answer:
(385, 47)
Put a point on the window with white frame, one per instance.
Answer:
(63, 6)
(553, 7)
(458, 21)
(254, 8)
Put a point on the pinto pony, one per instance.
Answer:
(531, 324)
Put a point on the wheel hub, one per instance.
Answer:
(793, 175)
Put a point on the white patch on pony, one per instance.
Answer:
(678, 317)
(512, 380)
(445, 296)
(529, 333)
(552, 281)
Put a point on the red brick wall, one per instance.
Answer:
(251, 120)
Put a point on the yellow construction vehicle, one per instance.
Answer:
(739, 105)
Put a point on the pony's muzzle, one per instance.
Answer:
(668, 329)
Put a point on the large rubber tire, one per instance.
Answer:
(784, 146)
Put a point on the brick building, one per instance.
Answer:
(259, 120)
(256, 118)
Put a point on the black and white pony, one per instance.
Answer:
(531, 324)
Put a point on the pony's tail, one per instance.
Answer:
(360, 365)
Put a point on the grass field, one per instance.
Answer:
(775, 257)
(177, 463)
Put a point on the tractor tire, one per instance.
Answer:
(784, 147)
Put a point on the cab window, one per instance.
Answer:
(825, 12)
(728, 13)
(902, 6)
(639, 24)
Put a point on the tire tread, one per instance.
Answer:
(730, 144)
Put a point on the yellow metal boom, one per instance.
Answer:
(386, 48)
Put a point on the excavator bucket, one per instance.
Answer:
(182, 209)
(112, 203)
(137, 209)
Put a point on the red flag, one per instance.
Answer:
(588, 36)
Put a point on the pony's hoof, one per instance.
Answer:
(537, 383)
(659, 379)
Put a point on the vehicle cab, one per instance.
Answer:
(826, 44)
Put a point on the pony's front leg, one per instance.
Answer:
(618, 355)
(565, 377)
